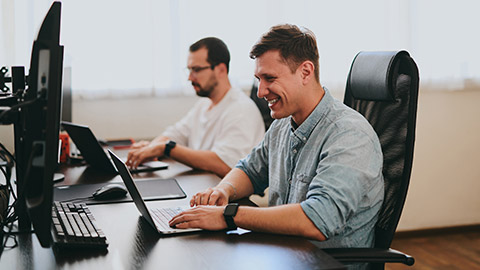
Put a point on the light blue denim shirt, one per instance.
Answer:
(331, 164)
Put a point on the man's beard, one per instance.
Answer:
(204, 92)
(208, 89)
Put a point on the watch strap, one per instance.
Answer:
(229, 213)
(168, 147)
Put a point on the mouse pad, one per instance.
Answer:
(151, 190)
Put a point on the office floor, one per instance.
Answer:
(453, 250)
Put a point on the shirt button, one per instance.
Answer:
(294, 151)
(304, 138)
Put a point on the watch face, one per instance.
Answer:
(230, 210)
(168, 147)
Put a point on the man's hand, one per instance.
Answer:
(204, 217)
(139, 155)
(139, 144)
(211, 196)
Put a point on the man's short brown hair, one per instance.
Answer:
(294, 44)
(217, 51)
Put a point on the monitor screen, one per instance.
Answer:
(41, 127)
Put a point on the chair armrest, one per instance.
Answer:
(370, 255)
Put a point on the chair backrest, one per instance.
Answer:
(383, 87)
(262, 105)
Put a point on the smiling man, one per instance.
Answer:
(321, 160)
(221, 128)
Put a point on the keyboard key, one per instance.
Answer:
(164, 215)
(74, 227)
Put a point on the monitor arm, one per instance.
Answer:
(18, 79)
(9, 99)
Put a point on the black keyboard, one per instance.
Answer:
(75, 227)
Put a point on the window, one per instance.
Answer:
(141, 47)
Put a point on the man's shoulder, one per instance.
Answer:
(348, 122)
(238, 99)
(355, 119)
(279, 128)
(239, 95)
(202, 104)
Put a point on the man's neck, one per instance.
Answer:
(219, 93)
(310, 105)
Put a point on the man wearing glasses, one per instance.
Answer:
(220, 129)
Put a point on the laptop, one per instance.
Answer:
(157, 217)
(95, 155)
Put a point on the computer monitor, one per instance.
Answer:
(67, 95)
(37, 159)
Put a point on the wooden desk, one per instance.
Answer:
(135, 245)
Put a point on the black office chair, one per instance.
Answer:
(383, 87)
(262, 106)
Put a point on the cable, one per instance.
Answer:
(7, 172)
(21, 190)
(6, 189)
(16, 106)
(79, 199)
(9, 235)
(6, 215)
(7, 152)
(8, 157)
(12, 216)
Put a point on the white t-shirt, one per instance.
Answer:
(231, 129)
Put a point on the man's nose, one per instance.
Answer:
(262, 90)
(190, 76)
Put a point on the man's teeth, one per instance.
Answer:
(272, 101)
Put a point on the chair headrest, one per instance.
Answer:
(373, 75)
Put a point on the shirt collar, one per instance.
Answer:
(224, 99)
(305, 129)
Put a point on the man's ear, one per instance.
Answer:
(307, 71)
(222, 68)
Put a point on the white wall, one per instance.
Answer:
(138, 118)
(445, 184)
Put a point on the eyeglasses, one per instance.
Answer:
(196, 70)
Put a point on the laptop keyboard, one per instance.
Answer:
(75, 227)
(163, 215)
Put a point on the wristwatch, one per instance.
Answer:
(168, 147)
(228, 213)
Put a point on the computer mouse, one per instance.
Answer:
(110, 192)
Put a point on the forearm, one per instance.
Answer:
(285, 219)
(160, 139)
(200, 159)
(237, 184)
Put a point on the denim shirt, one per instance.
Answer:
(331, 164)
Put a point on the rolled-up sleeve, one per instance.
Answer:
(255, 166)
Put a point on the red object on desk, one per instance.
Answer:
(64, 147)
(120, 143)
